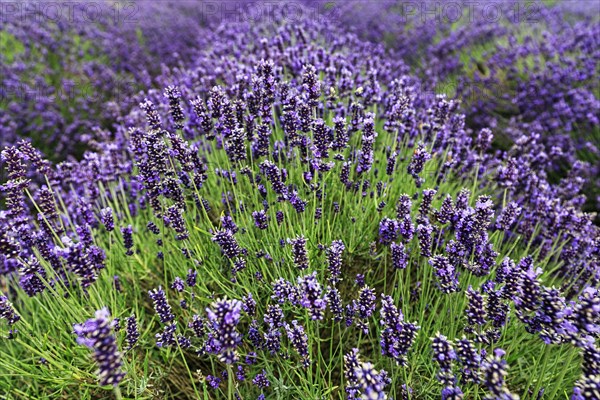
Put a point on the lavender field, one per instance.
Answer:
(362, 199)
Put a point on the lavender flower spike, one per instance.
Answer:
(224, 316)
(162, 307)
(7, 311)
(96, 333)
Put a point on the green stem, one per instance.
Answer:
(117, 392)
(230, 389)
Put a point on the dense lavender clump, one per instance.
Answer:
(295, 198)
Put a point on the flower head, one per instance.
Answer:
(223, 317)
(97, 334)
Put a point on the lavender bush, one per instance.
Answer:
(285, 210)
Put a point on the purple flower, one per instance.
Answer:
(483, 140)
(260, 219)
(311, 296)
(425, 241)
(351, 363)
(391, 164)
(272, 341)
(13, 157)
(197, 325)
(213, 381)
(322, 138)
(184, 342)
(96, 333)
(425, 206)
(334, 301)
(274, 175)
(227, 223)
(475, 309)
(279, 216)
(153, 228)
(371, 383)
(359, 280)
(206, 205)
(7, 311)
(261, 380)
(469, 359)
(586, 315)
(591, 357)
(227, 242)
(235, 145)
(446, 211)
(204, 118)
(388, 230)
(47, 203)
(494, 370)
(285, 291)
(369, 135)
(240, 374)
(161, 306)
(178, 284)
(444, 355)
(297, 202)
(173, 94)
(249, 304)
(549, 319)
(504, 270)
(452, 393)
(299, 340)
(33, 275)
(587, 388)
(133, 333)
(318, 214)
(508, 216)
(529, 294)
(191, 277)
(446, 274)
(403, 207)
(224, 316)
(334, 261)
(152, 115)
(174, 219)
(106, 217)
(397, 336)
(496, 308)
(299, 252)
(341, 134)
(366, 302)
(420, 157)
(83, 261)
(345, 174)
(260, 146)
(127, 233)
(274, 316)
(311, 84)
(399, 256)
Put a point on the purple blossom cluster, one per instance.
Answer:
(97, 334)
(223, 337)
(288, 176)
(96, 61)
